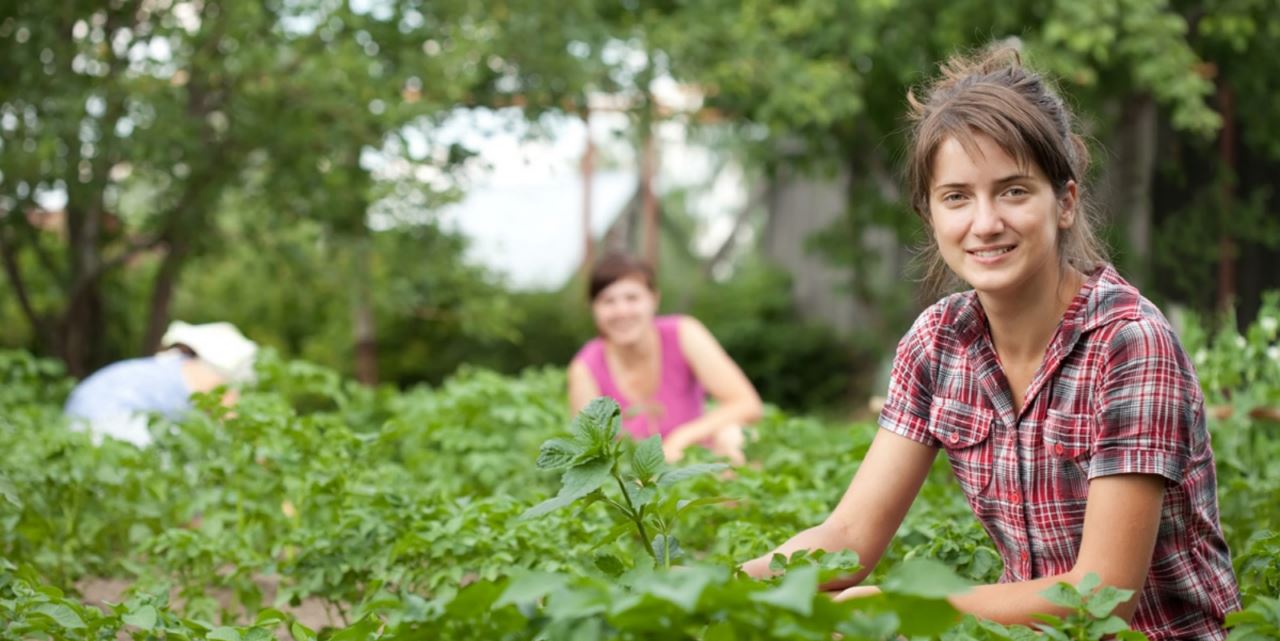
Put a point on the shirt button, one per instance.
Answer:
(1015, 497)
(954, 438)
(1024, 556)
(1059, 449)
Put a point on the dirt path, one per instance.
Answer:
(313, 613)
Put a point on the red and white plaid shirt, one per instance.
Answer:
(1115, 394)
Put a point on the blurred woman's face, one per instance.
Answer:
(624, 310)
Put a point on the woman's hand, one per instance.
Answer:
(857, 592)
(673, 447)
(758, 568)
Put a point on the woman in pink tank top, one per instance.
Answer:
(659, 369)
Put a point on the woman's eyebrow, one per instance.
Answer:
(1013, 178)
(962, 185)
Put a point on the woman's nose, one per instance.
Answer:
(987, 219)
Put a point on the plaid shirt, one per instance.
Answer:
(1115, 394)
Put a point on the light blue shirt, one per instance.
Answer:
(139, 385)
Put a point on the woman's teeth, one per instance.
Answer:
(991, 253)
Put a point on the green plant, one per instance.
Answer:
(594, 455)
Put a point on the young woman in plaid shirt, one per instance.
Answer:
(1070, 412)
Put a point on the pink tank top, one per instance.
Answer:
(679, 398)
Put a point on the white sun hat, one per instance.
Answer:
(220, 345)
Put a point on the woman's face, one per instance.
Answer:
(624, 310)
(996, 223)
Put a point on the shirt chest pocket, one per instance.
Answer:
(965, 431)
(1068, 442)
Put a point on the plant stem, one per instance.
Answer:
(644, 535)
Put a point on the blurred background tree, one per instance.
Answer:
(280, 165)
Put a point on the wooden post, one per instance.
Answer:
(649, 201)
(588, 175)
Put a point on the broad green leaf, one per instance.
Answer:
(795, 593)
(647, 459)
(1089, 583)
(684, 587)
(1010, 633)
(301, 632)
(576, 483)
(550, 505)
(841, 559)
(582, 480)
(1104, 601)
(671, 477)
(923, 578)
(609, 564)
(598, 422)
(144, 617)
(530, 587)
(614, 532)
(587, 630)
(576, 602)
(557, 453)
(689, 504)
(61, 614)
(475, 600)
(269, 616)
(223, 633)
(358, 631)
(640, 496)
(667, 549)
(778, 561)
(9, 493)
(1108, 626)
(722, 631)
(1131, 635)
(923, 616)
(258, 634)
(1063, 594)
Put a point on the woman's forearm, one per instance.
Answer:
(1011, 603)
(736, 413)
(827, 537)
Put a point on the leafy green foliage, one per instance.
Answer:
(1090, 608)
(400, 512)
(1261, 620)
(594, 456)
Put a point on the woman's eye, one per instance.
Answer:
(952, 197)
(1016, 191)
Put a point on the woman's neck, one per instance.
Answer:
(627, 354)
(1023, 324)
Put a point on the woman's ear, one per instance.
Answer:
(1067, 205)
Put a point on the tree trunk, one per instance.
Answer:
(364, 328)
(81, 327)
(1227, 155)
(166, 280)
(1128, 183)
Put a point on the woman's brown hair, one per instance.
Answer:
(614, 267)
(994, 94)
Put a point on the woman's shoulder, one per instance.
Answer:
(1120, 311)
(590, 351)
(954, 315)
(674, 321)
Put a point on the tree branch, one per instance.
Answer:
(14, 271)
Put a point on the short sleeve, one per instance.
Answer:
(906, 407)
(1151, 406)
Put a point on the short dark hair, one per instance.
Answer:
(614, 267)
